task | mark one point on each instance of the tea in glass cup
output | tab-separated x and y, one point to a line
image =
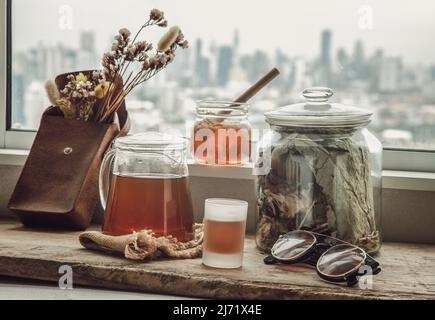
224	233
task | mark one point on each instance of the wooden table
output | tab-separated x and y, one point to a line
408	271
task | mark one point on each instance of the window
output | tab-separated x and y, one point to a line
375	54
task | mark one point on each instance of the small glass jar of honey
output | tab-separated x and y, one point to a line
222	134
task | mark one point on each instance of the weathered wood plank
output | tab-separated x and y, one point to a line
408	271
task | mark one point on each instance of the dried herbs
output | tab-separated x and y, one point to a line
129	63
319	181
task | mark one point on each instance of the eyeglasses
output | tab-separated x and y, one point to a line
336	263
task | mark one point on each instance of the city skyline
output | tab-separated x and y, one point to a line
378	81
333	57
291	28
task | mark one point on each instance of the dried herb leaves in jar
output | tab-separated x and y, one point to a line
321	183
324	173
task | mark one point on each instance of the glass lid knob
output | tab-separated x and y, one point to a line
318	95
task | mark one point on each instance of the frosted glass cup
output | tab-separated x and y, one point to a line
224	233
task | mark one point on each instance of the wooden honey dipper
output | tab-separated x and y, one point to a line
248	94
257	87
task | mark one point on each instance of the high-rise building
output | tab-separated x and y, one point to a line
69	59
358	61
324	77
358	53
198	50
87	41
389	79
20	76
236	46
198	60
236	42
37	62
260	66
299	75
204	74
342	72
432	73
225	63
325	57
283	64
342	58
202	65
87	57
35	101
18	92
181	69
54	61
374	67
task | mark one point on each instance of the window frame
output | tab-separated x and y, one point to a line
3	72
394	159
9	138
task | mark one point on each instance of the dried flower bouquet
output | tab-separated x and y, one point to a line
129	64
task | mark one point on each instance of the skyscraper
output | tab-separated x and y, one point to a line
87	57
87	41
389	79
358	53
236	46
342	77
374	66
35	101
225	63
202	65
198	50
359	63
326	48
325	58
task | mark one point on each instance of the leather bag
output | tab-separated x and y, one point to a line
58	187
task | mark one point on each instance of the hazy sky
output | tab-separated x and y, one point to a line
402	27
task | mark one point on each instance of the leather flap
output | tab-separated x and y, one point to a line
58	164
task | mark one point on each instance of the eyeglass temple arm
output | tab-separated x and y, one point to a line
373	264
370	262
270	260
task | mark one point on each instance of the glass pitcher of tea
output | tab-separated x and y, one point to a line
144	186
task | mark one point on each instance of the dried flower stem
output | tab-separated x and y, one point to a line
137	80
147	24
52	92
110	87
150	68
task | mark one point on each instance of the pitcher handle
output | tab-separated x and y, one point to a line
105	174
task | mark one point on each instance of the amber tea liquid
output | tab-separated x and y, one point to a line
224	237
224	233
160	204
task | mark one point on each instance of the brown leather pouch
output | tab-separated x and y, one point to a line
58	187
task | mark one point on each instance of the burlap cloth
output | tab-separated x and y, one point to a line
145	245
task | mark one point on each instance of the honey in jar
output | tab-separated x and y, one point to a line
222	134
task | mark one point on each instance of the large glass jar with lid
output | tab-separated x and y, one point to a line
320	170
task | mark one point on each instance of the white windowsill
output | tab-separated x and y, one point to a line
398	180
10	157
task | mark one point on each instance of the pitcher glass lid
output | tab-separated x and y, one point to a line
151	141
318	112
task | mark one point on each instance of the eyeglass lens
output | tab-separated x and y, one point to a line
341	260
292	245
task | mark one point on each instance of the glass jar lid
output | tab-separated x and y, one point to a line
151	141
318	112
